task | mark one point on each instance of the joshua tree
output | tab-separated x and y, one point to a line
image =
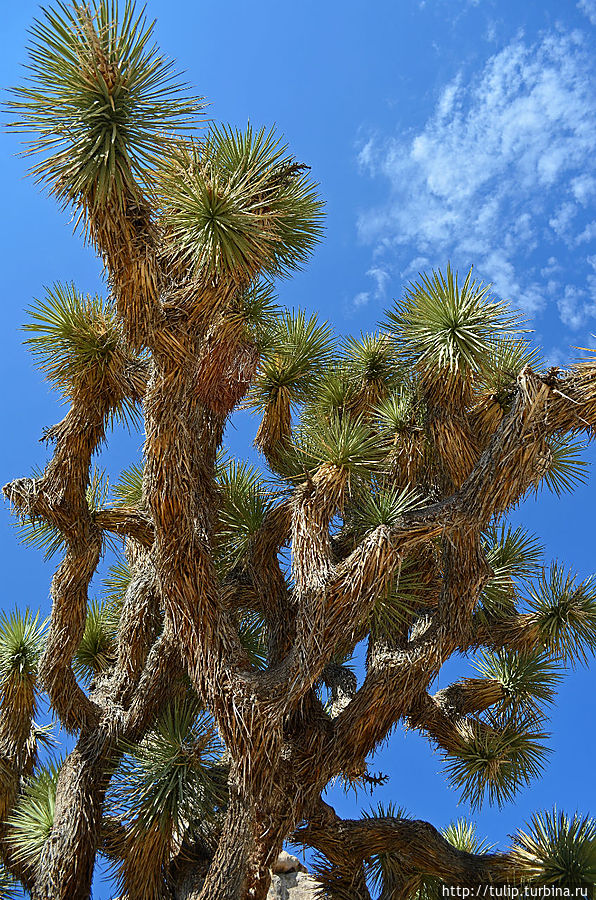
209	695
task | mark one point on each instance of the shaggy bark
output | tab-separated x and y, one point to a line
418	844
66	865
331	604
185	347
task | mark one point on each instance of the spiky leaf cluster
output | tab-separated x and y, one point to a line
443	325
237	205
529	680
21	643
171	778
97	648
400	412
558	850
101	100
30	823
371	365
77	342
117	581
506	358
396	606
562	466
513	555
462	835
386	871
256	312
497	756
349	445
244	505
383	507
128	491
298	352
563	613
253	637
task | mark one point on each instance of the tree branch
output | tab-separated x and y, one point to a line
418	844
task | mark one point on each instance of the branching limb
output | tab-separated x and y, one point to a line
470	695
396	679
127	523
59	497
418	844
139	622
489	489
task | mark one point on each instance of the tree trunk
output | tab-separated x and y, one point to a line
66	866
251	841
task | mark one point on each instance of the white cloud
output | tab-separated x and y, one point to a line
551	268
504	167
576	307
589	8
561	222
588	234
416	266
380	277
584	187
361	299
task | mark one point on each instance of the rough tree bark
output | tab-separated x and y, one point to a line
184	355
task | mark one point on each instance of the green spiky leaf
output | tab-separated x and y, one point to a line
400	412
115	585
245	502
128	490
528	679
371	364
386	811
462	835
497	757
96	651
77	342
256	309
237	204
42	536
441	324
351	445
253	637
299	351
514	555
334	392
558	850
21	643
506	359
564	613
395	607
72	334
117	581
562	466
101	101
171	776
30	823
385	507
386	870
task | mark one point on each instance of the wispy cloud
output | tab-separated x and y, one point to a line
380	277
502	175
589	8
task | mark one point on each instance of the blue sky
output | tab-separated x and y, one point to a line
440	129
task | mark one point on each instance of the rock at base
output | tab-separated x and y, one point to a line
293	886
